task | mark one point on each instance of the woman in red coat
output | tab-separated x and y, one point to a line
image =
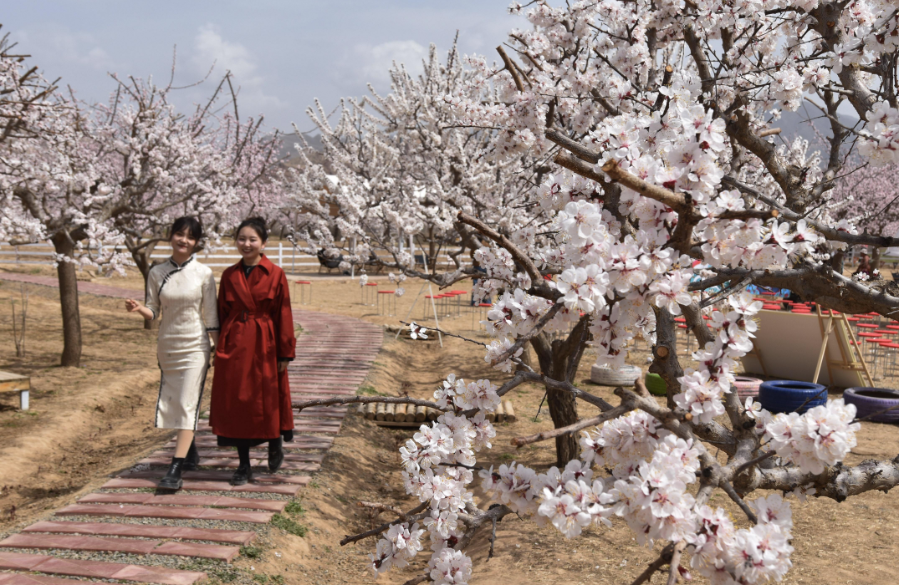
250	391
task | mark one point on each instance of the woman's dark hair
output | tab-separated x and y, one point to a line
191	224
257	224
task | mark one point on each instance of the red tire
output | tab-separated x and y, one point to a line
747	386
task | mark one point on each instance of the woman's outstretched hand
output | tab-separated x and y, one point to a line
282	365
137	307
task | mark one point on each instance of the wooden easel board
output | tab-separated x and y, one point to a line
789	344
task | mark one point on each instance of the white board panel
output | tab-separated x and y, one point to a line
789	344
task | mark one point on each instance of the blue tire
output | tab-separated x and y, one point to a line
787	396
868	400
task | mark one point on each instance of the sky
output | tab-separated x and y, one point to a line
284	54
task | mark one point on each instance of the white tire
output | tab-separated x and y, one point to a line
624	377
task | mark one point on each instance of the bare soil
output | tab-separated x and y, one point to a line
91	421
83	423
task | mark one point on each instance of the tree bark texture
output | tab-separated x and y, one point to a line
68	301
142	258
556	359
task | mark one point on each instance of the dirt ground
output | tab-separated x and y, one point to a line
88	422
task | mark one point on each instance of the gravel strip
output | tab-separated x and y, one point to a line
196	523
251	495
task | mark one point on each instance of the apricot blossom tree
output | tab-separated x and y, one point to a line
657	117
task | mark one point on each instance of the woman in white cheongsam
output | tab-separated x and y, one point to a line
181	292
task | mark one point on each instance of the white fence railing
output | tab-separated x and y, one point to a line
284	255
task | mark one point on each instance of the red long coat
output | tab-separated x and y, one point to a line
250	398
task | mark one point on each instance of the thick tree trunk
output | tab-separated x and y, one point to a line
68	301
563	411
554	362
142	258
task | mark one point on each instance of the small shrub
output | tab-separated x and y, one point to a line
250	551
370	390
294	508
289	525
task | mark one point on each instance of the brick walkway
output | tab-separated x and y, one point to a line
127	520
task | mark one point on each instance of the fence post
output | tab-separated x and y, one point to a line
280	253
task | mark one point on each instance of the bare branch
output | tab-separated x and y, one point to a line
409	516
510	67
574	428
348	400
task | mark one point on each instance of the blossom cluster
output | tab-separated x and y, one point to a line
822	436
437	464
704	389
649	491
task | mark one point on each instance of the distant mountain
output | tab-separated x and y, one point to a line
810	124
289	140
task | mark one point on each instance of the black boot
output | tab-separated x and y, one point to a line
172	478
275	455
192	460
244	473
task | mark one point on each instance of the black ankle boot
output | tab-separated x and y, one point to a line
172	478
192	460
243	475
275	455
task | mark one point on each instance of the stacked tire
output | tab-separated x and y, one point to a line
870	400
788	396
623	377
747	386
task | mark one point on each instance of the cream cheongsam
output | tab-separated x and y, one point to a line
184	297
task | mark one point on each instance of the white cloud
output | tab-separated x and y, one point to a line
372	64
211	48
58	45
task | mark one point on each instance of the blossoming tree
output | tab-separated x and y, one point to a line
43	197
396	167
400	166
657	117
101	180
868	197
164	164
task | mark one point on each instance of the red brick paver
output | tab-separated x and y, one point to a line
79	542
37	579
134	530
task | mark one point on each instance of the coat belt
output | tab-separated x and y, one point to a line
245	315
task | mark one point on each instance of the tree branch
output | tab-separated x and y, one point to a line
348	400
407	517
574	428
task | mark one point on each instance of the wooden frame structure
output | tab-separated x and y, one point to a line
11	382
